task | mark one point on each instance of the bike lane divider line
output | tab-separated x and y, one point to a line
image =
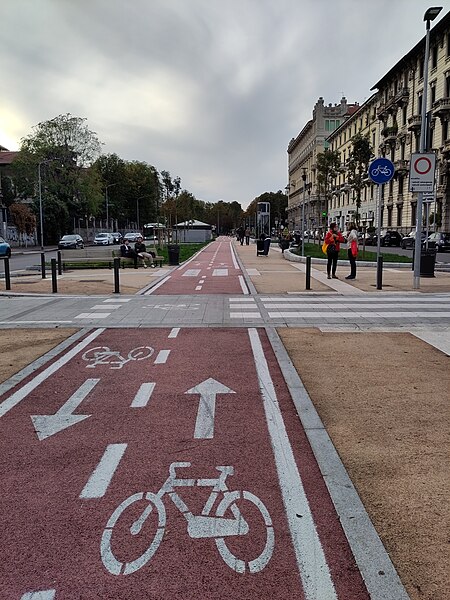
23	392
174	332
243	285
233	257
102	475
162	357
312	565
42	595
156	286
143	395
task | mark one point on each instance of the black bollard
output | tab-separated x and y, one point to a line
43	265
54	277
308	272
116	275
58	254
7	274
380	273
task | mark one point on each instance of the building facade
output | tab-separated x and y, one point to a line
391	119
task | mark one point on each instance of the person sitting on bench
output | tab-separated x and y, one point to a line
141	251
127	251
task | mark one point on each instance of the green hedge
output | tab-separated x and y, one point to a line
315	251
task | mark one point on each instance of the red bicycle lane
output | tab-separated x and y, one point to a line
178	473
214	270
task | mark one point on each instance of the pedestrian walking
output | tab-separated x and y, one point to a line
247	236
240	235
352	249
333	241
141	251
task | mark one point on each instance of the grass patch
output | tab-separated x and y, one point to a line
315	251
186	251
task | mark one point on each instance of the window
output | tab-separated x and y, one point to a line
419	103
413	214
447	85
404	112
434	57
444	131
420	69
402	150
448	44
433	93
389	216
391	187
401	180
399	215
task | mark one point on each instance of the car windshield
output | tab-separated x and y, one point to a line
69	237
102	235
2	241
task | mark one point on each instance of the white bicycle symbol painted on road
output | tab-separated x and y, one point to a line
381	170
217	527
102	355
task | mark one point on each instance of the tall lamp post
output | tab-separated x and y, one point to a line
41	211
303	211
137	210
107	204
429	16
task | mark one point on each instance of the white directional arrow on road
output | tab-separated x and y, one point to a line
208	390
48	425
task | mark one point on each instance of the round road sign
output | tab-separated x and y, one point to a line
381	170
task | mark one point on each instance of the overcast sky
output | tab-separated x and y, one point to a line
210	90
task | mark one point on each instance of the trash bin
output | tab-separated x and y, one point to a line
427	262
267	245
259	247
174	254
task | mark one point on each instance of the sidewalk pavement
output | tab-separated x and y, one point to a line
280	273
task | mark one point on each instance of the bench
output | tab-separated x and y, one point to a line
129	262
102	256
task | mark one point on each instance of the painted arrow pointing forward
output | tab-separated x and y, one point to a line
208	390
48	425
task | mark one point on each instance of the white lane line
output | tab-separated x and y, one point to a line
143	395
109	307
233	256
243	285
198	288
100	479
174	332
18	396
253	272
348	299
155	287
115	300
246	315
242	300
351	314
31	322
344	305
439	339
43	595
92	315
162	357
311	562
220	273
192	272
202	281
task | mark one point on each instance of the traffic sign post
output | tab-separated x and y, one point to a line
381	171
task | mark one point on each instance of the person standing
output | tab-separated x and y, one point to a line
352	249
333	239
247	236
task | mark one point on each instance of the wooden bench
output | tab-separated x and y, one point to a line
129	262
98	254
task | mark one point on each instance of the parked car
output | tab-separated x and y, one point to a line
117	237
71	241
103	239
388	238
371	239
5	248
439	240
132	236
409	240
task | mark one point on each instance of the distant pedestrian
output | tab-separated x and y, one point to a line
240	235
247	236
352	251
333	239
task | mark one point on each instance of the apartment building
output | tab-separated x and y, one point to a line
302	162
391	118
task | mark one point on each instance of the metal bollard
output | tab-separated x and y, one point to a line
308	272
54	277
116	275
43	265
58	254
7	274
380	273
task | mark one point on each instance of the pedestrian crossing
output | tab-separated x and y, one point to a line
403	308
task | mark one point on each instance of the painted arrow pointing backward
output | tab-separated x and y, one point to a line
208	390
48	425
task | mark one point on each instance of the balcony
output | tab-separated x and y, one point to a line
390	134
414	123
401	97
441	108
445	148
401	166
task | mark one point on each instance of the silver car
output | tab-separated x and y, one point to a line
103	239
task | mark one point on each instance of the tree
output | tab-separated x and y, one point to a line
278	204
358	167
328	168
23	218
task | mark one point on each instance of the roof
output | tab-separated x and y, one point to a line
7	157
193	223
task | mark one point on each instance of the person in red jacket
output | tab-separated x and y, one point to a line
333	238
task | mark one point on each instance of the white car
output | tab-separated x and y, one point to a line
103	239
132	236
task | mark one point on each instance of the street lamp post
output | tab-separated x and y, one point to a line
41	211
107	204
303	211
429	16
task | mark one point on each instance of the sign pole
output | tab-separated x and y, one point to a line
379	221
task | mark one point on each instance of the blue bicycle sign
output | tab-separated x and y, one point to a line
381	170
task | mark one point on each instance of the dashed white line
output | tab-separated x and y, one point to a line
92	315
143	395
174	332
162	357
100	479
42	595
198	288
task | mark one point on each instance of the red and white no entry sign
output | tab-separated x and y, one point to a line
421	172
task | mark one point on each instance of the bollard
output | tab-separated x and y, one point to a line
7	274
58	254
43	265
308	272
116	275
54	278
380	273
